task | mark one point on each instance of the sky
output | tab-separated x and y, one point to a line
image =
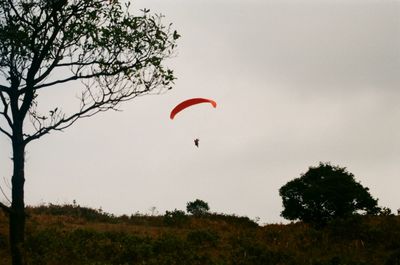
296	81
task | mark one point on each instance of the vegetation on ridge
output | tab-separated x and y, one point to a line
70	234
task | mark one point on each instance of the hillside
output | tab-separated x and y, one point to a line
69	234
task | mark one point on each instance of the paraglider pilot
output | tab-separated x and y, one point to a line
196	142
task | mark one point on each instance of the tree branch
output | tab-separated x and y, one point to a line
6	133
96	107
5	110
18	15
4	88
35	66
50	68
77	77
4	113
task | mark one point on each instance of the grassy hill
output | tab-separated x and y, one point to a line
73	235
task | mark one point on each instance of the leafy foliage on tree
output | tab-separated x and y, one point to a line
175	218
115	54
324	193
197	207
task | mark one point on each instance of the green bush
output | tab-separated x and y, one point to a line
175	218
197	207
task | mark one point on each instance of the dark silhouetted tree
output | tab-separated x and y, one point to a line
115	54
197	207
324	193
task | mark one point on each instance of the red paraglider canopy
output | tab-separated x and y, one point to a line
190	102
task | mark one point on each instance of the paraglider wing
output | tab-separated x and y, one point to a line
187	103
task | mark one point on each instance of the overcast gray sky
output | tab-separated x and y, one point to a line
296	82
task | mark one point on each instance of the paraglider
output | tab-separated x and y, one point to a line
190	102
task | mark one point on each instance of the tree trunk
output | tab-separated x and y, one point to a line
17	213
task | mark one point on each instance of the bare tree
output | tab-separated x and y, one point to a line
116	55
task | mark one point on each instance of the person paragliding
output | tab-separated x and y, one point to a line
188	103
